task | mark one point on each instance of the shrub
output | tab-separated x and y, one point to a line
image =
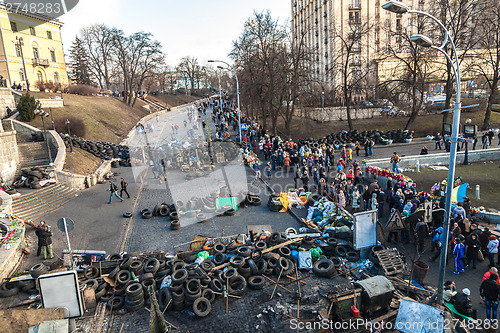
48	86
27	106
40	85
76	126
81	89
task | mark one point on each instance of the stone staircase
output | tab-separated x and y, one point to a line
40	203
32	153
154	103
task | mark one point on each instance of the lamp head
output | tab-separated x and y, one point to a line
211	60
396	7
421	40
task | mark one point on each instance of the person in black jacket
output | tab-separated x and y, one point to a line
490	290
46	242
463	303
473	247
124	184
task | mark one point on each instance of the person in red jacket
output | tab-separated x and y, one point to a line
486	275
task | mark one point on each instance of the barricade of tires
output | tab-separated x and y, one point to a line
233	266
350	137
8	289
200	208
103	150
29	178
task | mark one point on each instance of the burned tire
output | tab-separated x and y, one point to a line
91	272
237	285
165	299
219	258
152	266
90	283
256	282
352	256
164	210
173	216
134	290
37	270
236	261
324	268
115	303
202	307
340	251
127	214
216	285
180	276
123	277
8	289
156	210
207	265
146	276
208	294
244	251
230	212
220	248
147	215
260	245
175	225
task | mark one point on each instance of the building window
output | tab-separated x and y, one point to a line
409	21
21	75
36	55
18	50
32	31
49	34
13	26
386	22
39	75
53	56
387	35
56	77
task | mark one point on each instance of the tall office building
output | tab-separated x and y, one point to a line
329	27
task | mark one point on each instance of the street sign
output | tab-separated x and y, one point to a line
70	225
428	212
395	222
244	127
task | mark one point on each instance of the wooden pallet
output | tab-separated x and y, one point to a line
391	261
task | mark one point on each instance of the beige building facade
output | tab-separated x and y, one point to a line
31	49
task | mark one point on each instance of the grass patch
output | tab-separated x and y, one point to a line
486	174
81	162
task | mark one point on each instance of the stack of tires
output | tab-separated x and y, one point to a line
31	178
8	289
134	299
103	150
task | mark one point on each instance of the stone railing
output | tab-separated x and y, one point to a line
438	159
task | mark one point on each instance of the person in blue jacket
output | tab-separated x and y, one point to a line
437	238
458	254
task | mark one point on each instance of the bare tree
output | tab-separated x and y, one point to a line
487	62
460	18
351	67
190	69
258	52
97	41
411	71
137	56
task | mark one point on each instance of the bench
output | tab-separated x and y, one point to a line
451	307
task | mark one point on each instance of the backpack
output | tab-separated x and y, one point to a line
115	188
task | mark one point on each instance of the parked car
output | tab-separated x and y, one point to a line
382	102
365	103
392	111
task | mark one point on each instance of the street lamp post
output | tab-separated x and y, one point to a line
69	134
42	115
237	92
21	43
220	92
401	8
322	106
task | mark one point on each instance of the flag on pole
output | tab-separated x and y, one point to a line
458	193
